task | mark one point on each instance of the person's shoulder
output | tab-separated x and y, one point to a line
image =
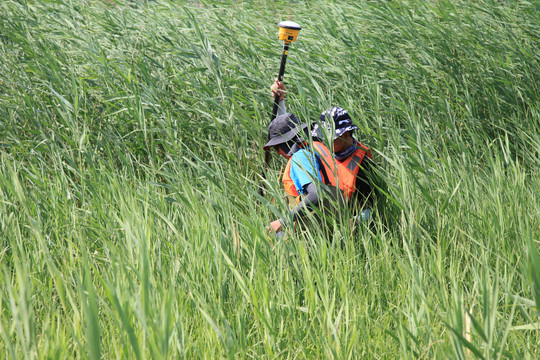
302	153
302	157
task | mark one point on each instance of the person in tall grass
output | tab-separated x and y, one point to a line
343	169
287	136
357	177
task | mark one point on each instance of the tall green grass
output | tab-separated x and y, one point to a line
130	155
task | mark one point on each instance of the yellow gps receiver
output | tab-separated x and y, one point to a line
288	31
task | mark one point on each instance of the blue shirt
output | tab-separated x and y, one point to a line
304	169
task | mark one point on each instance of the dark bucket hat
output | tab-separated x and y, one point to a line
283	129
342	122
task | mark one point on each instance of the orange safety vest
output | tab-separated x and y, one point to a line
335	173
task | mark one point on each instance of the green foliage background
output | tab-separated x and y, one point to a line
130	156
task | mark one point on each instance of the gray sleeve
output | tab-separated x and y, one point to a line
281	108
310	201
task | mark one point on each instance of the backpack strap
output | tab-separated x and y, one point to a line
323	170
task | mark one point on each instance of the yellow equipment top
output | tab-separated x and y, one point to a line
288	31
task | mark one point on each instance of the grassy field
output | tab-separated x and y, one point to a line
130	157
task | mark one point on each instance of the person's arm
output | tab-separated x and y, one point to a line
365	182
281	108
308	203
279	88
303	170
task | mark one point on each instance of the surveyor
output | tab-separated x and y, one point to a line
349	168
288	137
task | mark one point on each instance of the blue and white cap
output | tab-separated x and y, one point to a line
342	122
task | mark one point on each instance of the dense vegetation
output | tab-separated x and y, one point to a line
130	156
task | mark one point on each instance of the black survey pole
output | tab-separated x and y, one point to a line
274	112
288	31
280	78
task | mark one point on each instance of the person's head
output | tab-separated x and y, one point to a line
283	133
342	125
